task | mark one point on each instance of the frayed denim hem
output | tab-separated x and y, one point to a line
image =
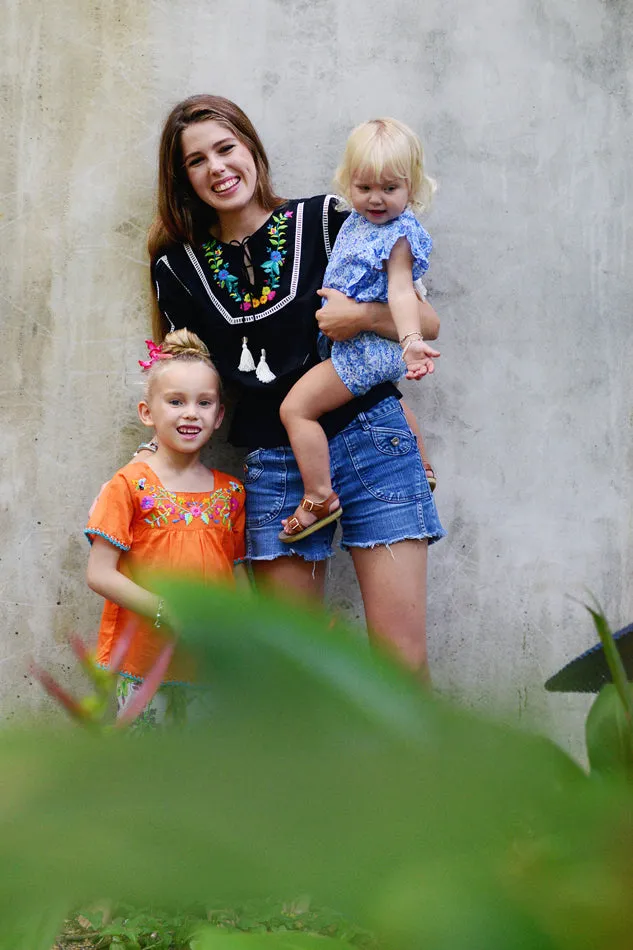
311	559
389	544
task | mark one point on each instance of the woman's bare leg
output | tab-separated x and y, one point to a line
316	393
392	581
291	576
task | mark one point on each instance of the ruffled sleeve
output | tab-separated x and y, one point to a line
113	513
383	238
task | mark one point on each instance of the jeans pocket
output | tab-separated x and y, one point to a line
253	467
265	477
393	442
387	462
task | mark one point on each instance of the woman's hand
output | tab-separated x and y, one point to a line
343	318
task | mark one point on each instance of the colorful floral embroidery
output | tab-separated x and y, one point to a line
277	251
163	507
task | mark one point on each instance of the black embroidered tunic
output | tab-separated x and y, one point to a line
208	289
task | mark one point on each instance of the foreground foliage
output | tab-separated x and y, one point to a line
294	924
323	771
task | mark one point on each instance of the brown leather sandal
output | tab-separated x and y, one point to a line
297	531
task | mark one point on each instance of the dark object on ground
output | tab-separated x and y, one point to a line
589	672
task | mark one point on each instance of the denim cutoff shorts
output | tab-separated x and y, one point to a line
377	473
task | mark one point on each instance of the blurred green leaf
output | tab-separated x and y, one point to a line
35	930
325	771
213	939
614	661
608	734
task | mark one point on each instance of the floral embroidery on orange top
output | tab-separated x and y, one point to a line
162	506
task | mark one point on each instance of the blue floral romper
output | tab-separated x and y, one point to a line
356	269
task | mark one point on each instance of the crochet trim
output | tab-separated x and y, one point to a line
118	544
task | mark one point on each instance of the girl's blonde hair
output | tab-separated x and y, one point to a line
184	346
386	145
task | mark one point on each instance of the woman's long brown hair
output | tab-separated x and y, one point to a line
182	217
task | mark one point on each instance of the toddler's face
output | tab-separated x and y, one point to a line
184	405
379	201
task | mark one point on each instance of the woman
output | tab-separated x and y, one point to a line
242	268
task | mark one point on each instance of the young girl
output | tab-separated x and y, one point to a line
172	514
379	252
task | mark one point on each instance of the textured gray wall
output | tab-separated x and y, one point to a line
525	110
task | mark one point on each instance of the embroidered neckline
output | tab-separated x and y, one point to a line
162	507
277	252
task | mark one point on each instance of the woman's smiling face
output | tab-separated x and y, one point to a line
220	168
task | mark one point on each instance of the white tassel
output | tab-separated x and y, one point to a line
263	371
247	363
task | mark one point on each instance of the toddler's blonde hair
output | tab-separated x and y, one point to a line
184	346
386	145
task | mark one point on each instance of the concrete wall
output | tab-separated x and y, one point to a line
525	110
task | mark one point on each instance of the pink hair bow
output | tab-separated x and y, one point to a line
155	354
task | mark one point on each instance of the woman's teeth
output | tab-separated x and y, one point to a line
225	185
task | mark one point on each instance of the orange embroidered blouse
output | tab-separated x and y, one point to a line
199	533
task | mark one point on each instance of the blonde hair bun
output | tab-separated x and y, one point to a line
179	346
183	343
386	145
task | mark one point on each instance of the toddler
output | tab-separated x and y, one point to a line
380	251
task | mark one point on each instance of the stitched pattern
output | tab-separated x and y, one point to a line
277	252
164	507
250	316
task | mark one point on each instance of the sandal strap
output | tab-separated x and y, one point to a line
316	507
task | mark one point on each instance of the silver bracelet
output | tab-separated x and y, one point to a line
158	620
415	333
150	446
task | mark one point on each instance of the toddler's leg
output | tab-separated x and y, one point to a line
316	393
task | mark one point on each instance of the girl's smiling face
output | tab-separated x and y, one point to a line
183	405
379	201
220	168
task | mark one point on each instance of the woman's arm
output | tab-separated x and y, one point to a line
343	318
104	578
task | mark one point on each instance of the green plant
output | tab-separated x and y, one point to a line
291	925
324	771
609	727
94	710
